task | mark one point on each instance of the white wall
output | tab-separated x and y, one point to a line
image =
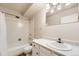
39	22
64	31
31	28
16	31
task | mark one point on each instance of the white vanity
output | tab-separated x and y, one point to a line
41	48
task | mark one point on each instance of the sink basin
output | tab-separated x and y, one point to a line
60	46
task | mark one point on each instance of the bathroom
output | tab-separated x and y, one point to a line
30	29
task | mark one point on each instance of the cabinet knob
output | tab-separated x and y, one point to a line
37	53
34	45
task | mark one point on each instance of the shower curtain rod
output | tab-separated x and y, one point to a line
10	12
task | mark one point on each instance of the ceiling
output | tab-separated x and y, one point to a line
35	8
23	9
18	7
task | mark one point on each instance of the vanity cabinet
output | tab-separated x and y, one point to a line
35	52
44	51
39	50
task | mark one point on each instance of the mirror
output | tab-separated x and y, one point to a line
61	13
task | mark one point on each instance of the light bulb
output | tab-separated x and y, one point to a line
67	4
52	11
55	3
59	7
47	6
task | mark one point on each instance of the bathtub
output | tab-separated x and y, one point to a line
14	51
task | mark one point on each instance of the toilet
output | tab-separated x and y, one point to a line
28	49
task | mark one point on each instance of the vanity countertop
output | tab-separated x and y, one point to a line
73	52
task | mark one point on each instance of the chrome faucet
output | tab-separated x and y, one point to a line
59	40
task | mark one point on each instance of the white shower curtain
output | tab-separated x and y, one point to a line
3	38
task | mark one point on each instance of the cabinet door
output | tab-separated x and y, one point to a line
35	52
45	51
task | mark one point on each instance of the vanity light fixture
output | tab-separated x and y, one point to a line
55	6
59	7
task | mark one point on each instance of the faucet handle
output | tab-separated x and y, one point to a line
59	39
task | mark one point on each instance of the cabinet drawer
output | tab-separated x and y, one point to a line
35	45
45	51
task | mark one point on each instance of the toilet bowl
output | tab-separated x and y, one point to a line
28	49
